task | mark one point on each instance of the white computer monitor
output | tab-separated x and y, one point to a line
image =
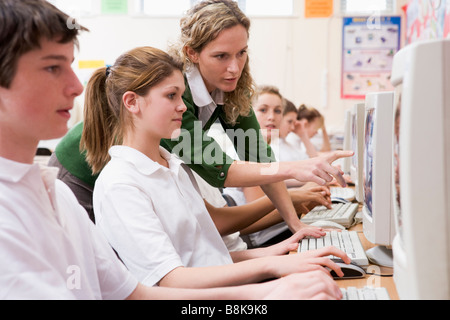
378	216
357	142
421	72
347	144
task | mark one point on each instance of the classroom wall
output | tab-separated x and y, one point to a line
300	56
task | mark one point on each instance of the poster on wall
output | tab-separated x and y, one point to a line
427	19
369	46
447	20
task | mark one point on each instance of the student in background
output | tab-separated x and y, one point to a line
145	200
48	247
283	150
310	121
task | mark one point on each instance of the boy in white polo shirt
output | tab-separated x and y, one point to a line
49	249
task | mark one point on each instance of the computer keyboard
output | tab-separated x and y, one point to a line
342	213
366	293
347	241
344	193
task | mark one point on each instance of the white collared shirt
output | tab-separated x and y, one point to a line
292	148
206	102
154	217
214	197
49	248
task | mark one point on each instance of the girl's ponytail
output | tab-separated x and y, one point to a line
100	124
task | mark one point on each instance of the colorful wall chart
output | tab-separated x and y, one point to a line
427	19
447	21
369	45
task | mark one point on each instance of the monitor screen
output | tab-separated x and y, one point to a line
347	162
378	215
396	169
368	160
357	143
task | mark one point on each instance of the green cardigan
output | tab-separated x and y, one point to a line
201	153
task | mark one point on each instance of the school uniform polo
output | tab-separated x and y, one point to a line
291	148
49	249
214	197
154	217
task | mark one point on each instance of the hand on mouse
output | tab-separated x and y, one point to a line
311	261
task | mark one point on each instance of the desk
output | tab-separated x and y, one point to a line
371	280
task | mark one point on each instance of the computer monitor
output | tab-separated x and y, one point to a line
421	72
357	141
346	162
378	216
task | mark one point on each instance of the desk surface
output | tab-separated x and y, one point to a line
372	280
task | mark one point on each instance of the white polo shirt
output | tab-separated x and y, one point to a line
49	248
154	217
291	148
214	197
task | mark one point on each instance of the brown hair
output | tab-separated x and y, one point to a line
309	114
201	25
289	107
267	89
23	24
105	116
286	104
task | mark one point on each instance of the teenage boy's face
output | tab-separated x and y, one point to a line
36	106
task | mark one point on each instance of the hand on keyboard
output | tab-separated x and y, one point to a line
347	241
292	243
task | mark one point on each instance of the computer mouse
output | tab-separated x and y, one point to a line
326	224
339	200
351	271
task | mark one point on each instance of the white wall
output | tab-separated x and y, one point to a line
291	53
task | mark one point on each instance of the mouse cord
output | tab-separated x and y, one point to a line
379	275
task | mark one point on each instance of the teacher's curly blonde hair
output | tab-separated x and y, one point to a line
201	25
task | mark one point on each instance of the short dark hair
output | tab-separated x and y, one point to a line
23	24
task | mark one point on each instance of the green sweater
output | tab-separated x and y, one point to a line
69	155
201	153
